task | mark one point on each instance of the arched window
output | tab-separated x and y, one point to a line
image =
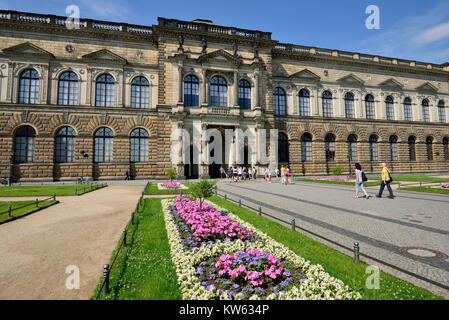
306	147
304	103
446	148
244	94
139	145
218	92
393	148
24	143
369	106
105	91
441	112
191	91
330	147
352	147
327	104
429	146
279	102
373	148
389	108
283	148
65	145
412	148
349	105
140	93
68	89
29	87
425	110
408	109
103	145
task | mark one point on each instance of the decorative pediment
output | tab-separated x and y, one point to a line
28	49
351	80
305	75
392	84
105	56
427	87
220	56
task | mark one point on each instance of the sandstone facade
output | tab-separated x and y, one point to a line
166	53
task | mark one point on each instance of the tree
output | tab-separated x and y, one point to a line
171	174
202	190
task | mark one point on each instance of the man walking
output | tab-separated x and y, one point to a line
386	180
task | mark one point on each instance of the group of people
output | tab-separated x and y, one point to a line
235	174
360	179
283	175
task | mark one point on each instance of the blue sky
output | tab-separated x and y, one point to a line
416	30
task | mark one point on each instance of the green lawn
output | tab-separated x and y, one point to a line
143	269
47	191
425	189
345	183
335	263
152	189
4	217
416	178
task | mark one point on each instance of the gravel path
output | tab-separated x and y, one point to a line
80	231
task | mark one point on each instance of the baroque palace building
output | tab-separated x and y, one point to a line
117	91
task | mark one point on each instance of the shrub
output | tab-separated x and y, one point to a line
202	190
171	174
337	171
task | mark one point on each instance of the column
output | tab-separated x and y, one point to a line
235	103
360	106
256	88
203	88
317	102
180	82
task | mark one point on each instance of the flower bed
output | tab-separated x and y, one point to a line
333	179
255	267
208	227
171	185
445	186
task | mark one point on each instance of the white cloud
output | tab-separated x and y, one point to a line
439	32
423	37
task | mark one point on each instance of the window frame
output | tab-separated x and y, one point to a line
191	91
304	103
28	133
244	94
349	106
68	142
107	143
279	102
327	104
29	87
389	108
370	107
425	110
140	90
105	86
220	87
72	87
374	148
306	147
329	145
142	147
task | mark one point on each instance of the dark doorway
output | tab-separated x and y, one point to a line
191	169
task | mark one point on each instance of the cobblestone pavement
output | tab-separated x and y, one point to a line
81	231
384	228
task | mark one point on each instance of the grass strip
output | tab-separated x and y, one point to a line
47	191
144	269
22	212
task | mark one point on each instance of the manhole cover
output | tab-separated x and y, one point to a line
421	253
424	253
